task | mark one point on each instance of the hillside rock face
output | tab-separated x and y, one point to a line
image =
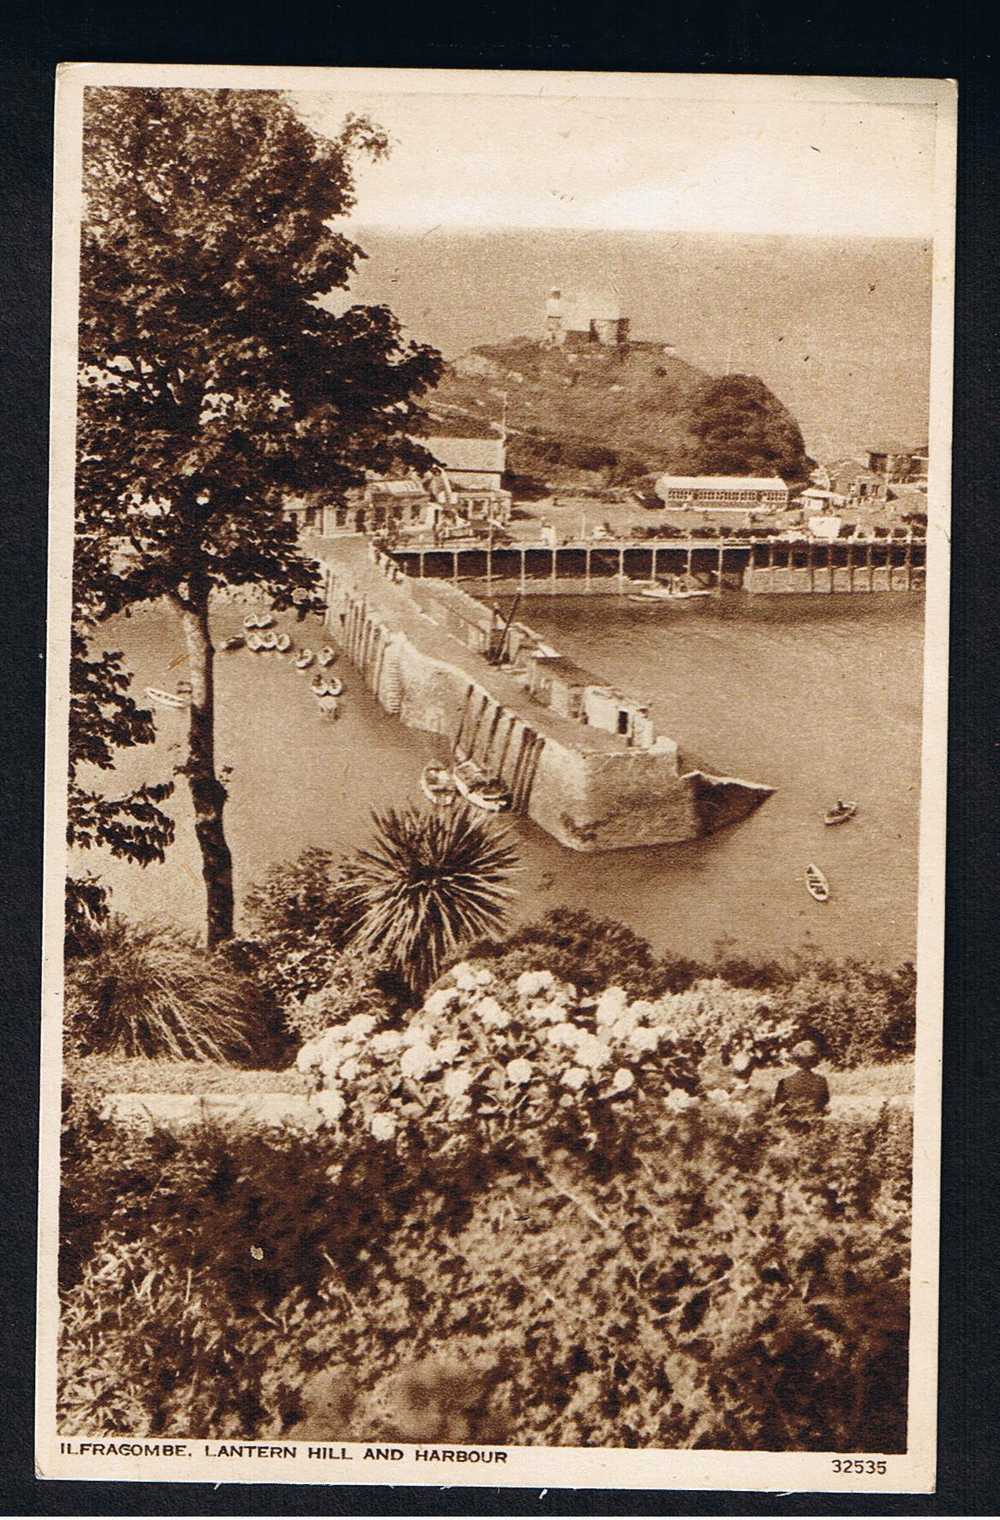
618	414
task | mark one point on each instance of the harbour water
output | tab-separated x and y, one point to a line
817	696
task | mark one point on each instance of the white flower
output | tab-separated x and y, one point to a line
457	1082
611	1004
349	1070
439	1002
622	1080
383	1127
565	1034
387	1041
492	1014
575	1077
592	1052
678	1100
361	1024
418	1061
643	1039
308	1057
519	1072
330	1104
449	1050
531	983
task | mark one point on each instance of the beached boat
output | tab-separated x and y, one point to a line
282	643
167	698
816	883
265	620
840	813
334	686
304	659
437	784
250	621
326	655
268	642
481	789
255	643
237	642
328	706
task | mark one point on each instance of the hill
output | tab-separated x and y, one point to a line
617	416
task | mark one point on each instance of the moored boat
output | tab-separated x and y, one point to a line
437	784
671	591
481	789
167	698
840	813
816	883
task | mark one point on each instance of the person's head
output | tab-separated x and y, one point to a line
805	1053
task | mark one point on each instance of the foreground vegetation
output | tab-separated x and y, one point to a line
398	1268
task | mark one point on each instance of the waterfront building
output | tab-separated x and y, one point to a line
897	465
722	492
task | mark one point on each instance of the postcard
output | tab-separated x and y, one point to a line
495	778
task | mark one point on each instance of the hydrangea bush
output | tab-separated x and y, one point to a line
498	1057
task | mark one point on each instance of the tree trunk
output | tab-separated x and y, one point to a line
207	792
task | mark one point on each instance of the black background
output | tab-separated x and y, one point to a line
926	37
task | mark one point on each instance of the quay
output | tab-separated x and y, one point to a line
579	757
805	565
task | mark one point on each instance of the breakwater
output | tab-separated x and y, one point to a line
579	757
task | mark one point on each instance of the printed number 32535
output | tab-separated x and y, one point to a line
858	1465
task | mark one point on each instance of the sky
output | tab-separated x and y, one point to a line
827	164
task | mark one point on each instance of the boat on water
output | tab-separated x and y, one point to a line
167	698
326	655
671	590
282	643
481	789
304	659
840	813
816	883
437	784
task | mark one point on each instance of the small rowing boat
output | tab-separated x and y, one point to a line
304	659
326	655
328	706
265	620
481	789
235	643
167	698
437	785
816	884
268	642
840	813
255	643
250	621
282	643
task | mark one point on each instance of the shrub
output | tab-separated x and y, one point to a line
858	1013
731	1284
298	919
149	990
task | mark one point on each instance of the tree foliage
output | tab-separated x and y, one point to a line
739	427
214	381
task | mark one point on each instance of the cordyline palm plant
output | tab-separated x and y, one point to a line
429	883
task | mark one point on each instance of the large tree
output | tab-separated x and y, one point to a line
214	382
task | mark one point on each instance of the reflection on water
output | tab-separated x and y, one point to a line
817	696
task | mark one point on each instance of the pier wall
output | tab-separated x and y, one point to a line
579	784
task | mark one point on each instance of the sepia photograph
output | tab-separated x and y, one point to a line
495	778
